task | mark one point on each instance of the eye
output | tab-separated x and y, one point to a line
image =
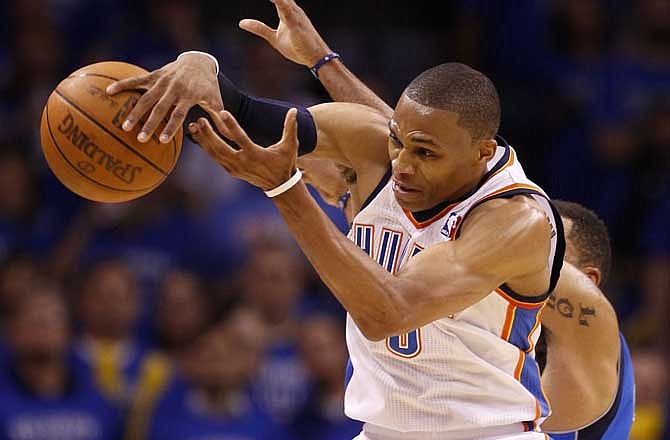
395	140
423	152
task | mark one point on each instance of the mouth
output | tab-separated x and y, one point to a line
403	189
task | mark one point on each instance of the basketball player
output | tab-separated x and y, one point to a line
457	251
589	377
589	373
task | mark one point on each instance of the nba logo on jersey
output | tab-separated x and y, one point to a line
450	227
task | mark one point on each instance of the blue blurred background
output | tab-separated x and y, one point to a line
190	313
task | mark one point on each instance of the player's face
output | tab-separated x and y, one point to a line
433	158
111	302
40	327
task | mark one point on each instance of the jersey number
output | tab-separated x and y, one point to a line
407	345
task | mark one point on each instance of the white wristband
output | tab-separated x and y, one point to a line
212	57
290	183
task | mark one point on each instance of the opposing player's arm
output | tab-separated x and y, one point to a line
355	136
502	241
296	39
582	351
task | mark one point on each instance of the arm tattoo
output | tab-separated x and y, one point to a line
567	309
584	312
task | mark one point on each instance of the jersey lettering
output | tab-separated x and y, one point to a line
364	235
389	248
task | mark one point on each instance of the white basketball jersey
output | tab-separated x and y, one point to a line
464	374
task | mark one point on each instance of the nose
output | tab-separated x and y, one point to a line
402	164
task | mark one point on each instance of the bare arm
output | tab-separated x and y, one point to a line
354	136
497	245
581	375
297	40
501	241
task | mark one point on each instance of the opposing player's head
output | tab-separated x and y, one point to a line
587	241
442	134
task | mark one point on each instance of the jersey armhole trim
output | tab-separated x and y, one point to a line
380	186
557	264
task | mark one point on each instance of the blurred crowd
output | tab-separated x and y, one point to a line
190	313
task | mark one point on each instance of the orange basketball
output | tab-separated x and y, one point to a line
87	149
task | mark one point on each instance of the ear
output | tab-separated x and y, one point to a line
593	273
486	149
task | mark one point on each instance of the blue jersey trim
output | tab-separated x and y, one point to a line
349	372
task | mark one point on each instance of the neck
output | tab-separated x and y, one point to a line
460	194
47	378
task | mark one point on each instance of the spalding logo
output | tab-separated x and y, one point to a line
125	172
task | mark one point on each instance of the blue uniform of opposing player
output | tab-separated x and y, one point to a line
589	373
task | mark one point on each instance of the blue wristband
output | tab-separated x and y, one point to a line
321	62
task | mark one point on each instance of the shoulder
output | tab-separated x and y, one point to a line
517	208
518	220
355	136
349	111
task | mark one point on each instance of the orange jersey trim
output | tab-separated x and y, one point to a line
519	365
531	344
509	320
420	225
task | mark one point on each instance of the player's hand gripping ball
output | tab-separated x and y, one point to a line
87	149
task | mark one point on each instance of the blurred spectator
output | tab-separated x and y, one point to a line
32	29
585	87
108	307
152	235
647	325
651	395
183	311
272	283
45	395
17	201
209	398
163	29
325	355
17	274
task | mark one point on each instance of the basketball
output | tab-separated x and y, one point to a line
87	149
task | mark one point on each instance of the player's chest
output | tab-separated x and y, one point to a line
392	240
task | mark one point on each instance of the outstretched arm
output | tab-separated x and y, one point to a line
297	40
502	241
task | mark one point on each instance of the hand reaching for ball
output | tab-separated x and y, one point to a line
172	89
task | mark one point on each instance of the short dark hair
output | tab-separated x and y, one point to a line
461	89
589	235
